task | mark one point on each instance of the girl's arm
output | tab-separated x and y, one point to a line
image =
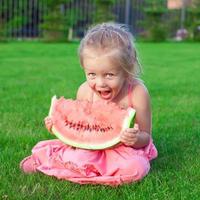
139	136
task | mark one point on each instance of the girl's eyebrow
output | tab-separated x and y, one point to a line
85	68
112	69
104	72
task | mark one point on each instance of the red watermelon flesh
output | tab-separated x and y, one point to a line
87	125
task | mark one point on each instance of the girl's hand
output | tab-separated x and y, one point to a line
130	136
48	123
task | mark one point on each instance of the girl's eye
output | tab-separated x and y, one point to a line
91	75
109	75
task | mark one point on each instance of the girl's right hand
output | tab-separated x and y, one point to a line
48	123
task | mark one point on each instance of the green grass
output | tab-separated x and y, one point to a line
31	73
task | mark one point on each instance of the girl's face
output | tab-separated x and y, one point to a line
105	79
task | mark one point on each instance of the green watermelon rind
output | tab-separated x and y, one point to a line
126	124
53	99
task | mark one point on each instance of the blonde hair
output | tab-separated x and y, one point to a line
116	41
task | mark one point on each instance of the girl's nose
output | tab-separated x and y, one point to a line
100	82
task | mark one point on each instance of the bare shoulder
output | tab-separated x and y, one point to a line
140	94
141	103
84	92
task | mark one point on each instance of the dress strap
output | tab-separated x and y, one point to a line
130	87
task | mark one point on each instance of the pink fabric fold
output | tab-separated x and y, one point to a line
121	164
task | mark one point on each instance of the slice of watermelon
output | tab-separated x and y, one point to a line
89	125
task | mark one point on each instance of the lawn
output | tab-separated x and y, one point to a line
31	73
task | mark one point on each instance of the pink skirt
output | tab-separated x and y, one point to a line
115	166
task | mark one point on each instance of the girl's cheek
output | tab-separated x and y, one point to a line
91	84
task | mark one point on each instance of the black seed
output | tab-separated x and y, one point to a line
66	123
94	127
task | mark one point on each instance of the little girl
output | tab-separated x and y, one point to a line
111	67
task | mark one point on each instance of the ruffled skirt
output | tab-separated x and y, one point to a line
121	164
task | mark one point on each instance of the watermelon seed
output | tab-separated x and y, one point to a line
74	125
80	125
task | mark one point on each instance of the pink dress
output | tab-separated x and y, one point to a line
115	166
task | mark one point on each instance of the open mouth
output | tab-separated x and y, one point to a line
105	94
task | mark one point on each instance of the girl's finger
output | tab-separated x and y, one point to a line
131	133
136	127
127	139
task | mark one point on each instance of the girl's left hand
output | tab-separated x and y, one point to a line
130	136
